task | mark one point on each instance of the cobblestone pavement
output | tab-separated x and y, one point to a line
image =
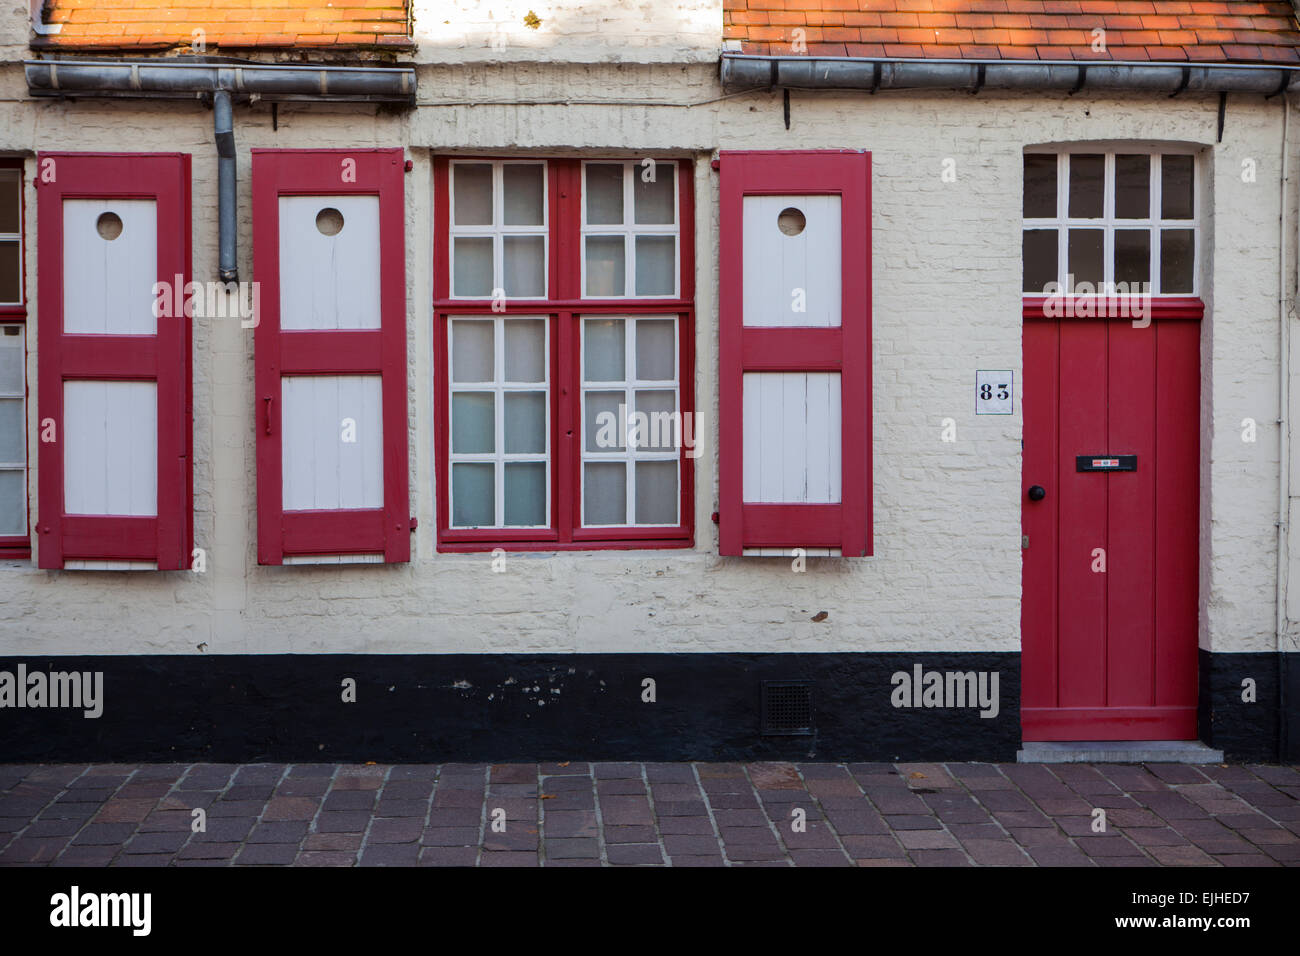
628	814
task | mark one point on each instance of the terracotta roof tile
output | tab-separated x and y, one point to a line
1168	30
238	24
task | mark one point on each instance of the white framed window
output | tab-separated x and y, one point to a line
1122	219
631	421
500	435
11	236
13	431
499	234
630	232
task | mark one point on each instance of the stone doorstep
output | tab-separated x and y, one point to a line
1118	751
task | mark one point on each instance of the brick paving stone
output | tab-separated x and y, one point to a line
635	834
1112	844
857	821
820	858
669	773
448	856
332	841
32	851
734	801
1125	861
390	854
1059	856
402	809
616	771
1181	856
285	831
104	834
86	856
571	823
690	844
620	787
927	840
634	854
740	818
1245	859
571	848
514	773
325	858
697	861
503	858
684	825
395	831
143	859
267	854
939	858
570	767
624	811
663	792
450	836
978	831
291	808
747	836
343	821
516	839
349	800
913	822
225	830
156	843
872	847
209	851
755	852
815	837
455	816
996	853
775	776
1154	836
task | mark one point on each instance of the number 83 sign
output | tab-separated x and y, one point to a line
994	393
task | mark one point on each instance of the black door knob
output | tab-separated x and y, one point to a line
1037	492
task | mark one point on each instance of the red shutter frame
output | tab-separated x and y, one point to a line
164	358
847	525
382	351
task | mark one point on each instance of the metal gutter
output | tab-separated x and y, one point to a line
744	71
188	77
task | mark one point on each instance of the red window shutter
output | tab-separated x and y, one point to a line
332	317
795	328
95	333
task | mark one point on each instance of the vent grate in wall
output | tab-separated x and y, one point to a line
787	707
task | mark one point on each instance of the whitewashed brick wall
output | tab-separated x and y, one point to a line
946	573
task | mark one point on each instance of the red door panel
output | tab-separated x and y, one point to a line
1110	654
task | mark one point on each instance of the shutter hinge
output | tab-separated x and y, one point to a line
415	523
1024	541
715	518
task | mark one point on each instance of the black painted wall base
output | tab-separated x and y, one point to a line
433	708
501	707
1265	729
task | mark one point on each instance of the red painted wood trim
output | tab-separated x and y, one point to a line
378	172
1109	723
848	349
564	312
20	546
1162	308
164	357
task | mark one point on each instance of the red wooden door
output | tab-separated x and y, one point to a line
1109	613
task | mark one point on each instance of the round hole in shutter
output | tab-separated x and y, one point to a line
791	221
329	221
108	225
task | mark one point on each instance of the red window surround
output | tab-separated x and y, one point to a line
162	358
18	546
847	524
384	530
564	309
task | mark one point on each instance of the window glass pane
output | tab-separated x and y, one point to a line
606	268
656	265
1086	254
525	493
471	351
525	265
10	272
603	345
525	424
1176	187
12	451
656	492
472	197
655	350
604	194
604	493
1176	260
603	425
473	494
525	350
1132	259
1132	187
658	432
473	423
1040	186
1087	185
1039	249
473	273
523	194
13	500
10	200
11	360
654	200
